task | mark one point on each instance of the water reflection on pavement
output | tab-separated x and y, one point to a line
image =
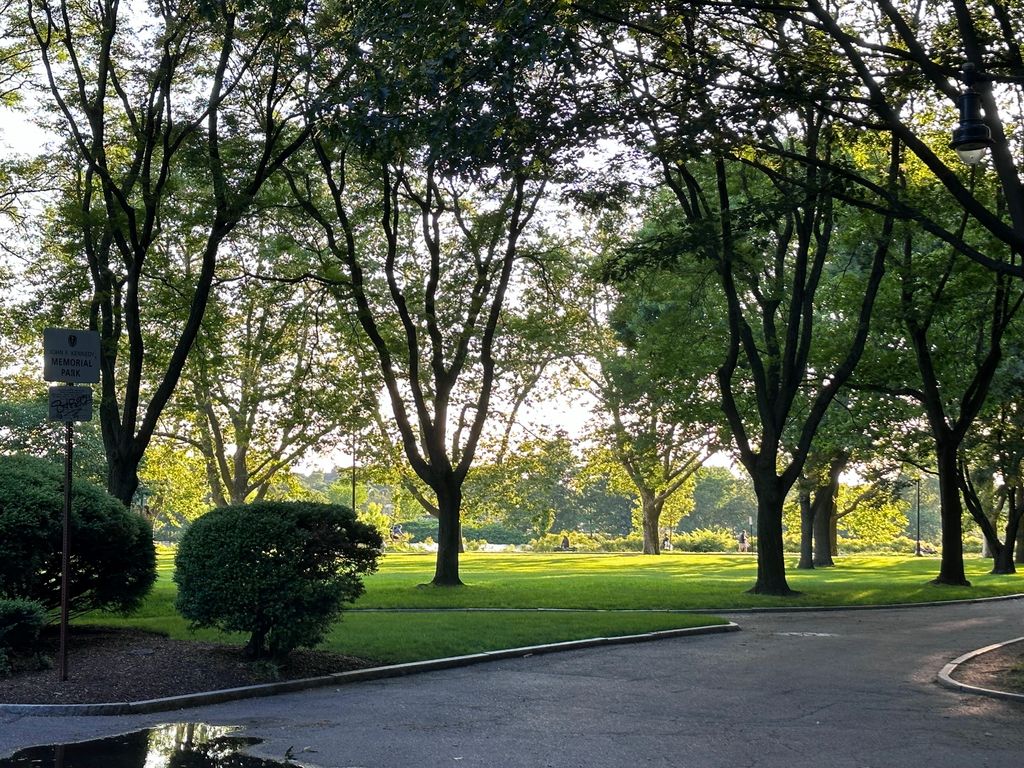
178	745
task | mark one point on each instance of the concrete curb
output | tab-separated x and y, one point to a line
945	676
343	678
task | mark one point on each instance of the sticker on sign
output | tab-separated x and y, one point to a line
71	356
70	404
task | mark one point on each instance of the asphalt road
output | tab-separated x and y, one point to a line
852	689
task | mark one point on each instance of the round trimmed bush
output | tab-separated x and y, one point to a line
279	571
113	560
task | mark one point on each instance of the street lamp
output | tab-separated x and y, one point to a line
972	137
353	471
918	550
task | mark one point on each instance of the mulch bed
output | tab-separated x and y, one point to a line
1000	670
116	665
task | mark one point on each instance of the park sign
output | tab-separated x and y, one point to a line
71	356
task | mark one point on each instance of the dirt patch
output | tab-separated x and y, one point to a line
1000	670
116	665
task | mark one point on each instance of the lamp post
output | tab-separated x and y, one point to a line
353	471
972	137
918	550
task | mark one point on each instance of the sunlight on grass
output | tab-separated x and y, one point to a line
625	585
671	581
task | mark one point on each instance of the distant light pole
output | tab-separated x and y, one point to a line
972	137
919	517
353	472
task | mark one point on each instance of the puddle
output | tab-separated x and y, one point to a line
179	745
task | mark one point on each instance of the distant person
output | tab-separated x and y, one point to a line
666	543
396	531
564	546
744	545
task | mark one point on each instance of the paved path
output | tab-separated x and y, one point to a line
836	689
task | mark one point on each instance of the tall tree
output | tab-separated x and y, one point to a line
991	466
274	377
762	211
143	100
654	429
953	391
428	184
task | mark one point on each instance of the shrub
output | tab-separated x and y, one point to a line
112	553
20	623
705	540
279	571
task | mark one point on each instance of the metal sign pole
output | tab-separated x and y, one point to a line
65	558
72	357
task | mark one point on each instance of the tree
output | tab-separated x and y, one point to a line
761	212
944	323
776	399
527	490
648	439
997	450
272	379
912	55
720	500
428	183
953	406
128	97
651	422
817	490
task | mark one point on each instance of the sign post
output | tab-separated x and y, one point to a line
71	357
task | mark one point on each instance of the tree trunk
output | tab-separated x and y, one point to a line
256	647
1003	561
951	568
449	533
825	519
651	514
122	477
1019	559
771	562
1004	558
806	530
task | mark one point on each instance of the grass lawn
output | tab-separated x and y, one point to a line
624	584
673	581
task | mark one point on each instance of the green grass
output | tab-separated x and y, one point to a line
674	581
624	585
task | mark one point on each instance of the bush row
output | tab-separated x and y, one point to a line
112	552
418	531
113	560
699	540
